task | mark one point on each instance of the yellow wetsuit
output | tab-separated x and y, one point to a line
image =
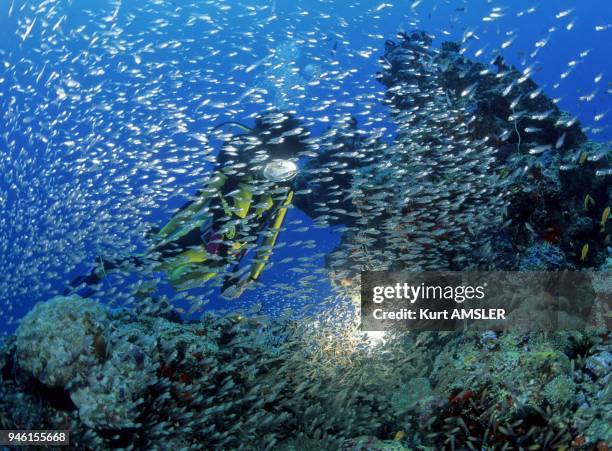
196	263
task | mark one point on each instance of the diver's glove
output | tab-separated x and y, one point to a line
82	285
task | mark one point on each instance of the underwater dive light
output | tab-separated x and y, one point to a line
280	170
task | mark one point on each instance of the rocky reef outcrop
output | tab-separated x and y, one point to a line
232	382
528	190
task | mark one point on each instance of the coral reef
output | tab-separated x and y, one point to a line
232	382
543	256
60	340
532	189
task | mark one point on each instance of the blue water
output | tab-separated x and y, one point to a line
321	36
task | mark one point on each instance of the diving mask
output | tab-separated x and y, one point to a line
280	170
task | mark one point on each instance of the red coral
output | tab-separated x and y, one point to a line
552	235
185	378
167	371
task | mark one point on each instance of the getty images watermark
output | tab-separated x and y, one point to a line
484	300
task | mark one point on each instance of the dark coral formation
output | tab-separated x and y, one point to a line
556	183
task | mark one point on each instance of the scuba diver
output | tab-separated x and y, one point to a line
242	207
